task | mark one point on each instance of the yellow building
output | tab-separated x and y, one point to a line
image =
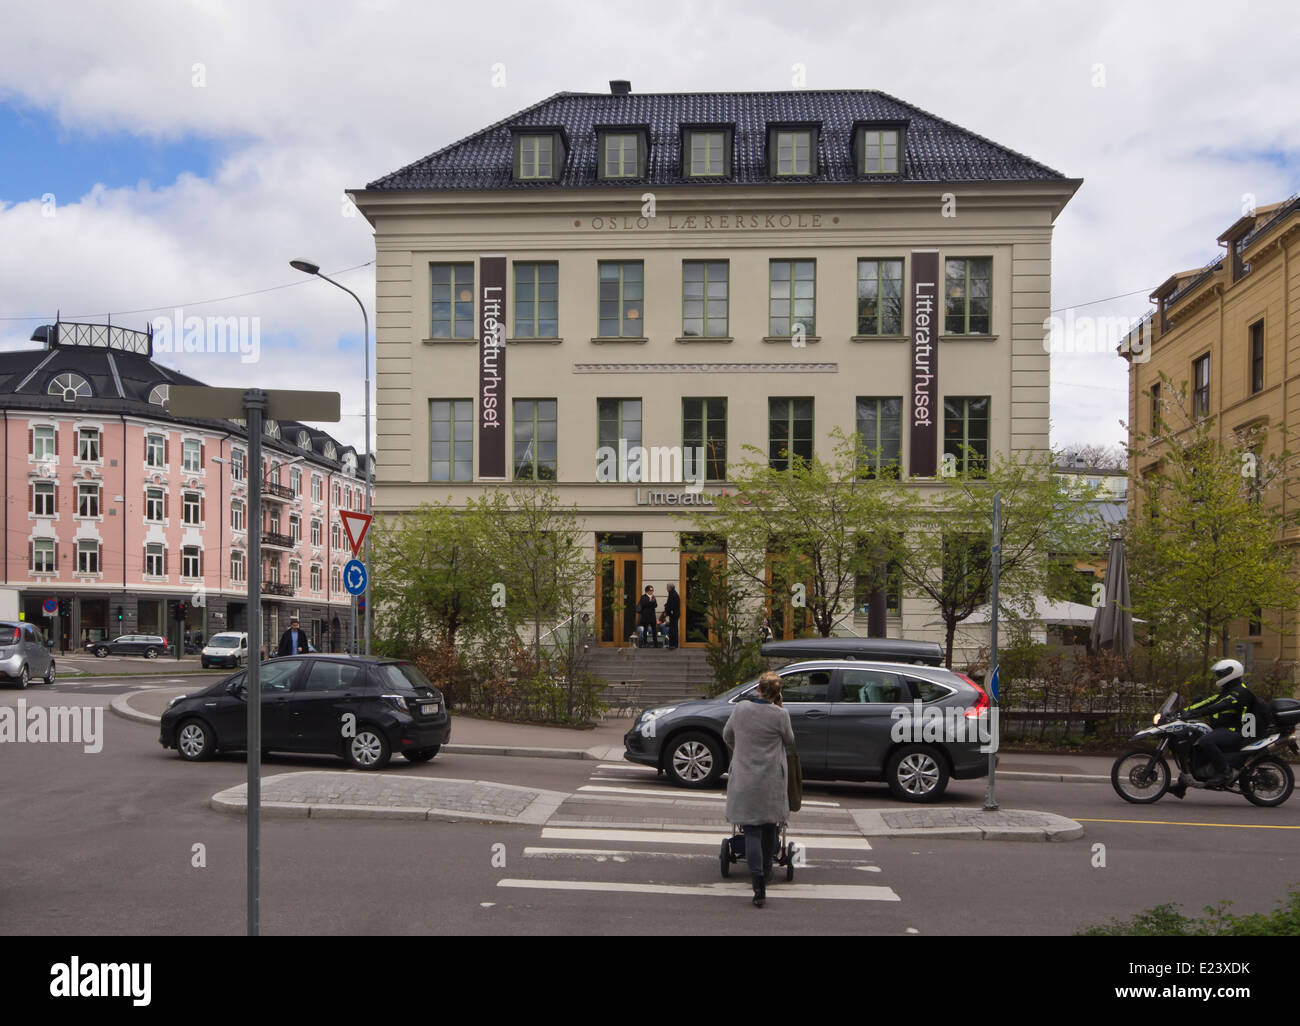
1231	332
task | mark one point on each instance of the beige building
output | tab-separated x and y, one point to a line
704	270
1231	332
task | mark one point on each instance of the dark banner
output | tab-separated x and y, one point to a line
923	413
492	368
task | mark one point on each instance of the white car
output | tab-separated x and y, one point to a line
230	649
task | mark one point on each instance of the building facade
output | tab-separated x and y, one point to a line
120	508
1230	331
683	272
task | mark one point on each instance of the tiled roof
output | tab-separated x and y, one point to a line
121	383
936	150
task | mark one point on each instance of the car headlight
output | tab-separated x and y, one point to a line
663	710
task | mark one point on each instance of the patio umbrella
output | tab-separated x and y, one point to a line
1112	627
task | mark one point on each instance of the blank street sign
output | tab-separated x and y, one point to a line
228	403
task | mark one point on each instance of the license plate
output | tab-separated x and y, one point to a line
429	708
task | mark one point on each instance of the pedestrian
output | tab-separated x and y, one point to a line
645	617
673	611
759	735
292	641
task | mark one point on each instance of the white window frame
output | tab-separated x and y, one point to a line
148	500
237	464
43	547
40	490
187	505
237	517
153	554
92	490
190	559
237	567
88	445
43	443
155	455
192	446
87	552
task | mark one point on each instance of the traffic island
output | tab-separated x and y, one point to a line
326	794
967	824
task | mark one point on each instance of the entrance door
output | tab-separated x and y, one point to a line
618	583
701	572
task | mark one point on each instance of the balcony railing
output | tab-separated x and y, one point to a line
277	588
278	491
279	541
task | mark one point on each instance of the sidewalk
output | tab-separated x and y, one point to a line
604	743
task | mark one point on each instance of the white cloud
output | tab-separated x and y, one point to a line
311	98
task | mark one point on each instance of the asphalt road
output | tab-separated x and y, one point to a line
104	843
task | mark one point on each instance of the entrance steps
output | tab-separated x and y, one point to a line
644	677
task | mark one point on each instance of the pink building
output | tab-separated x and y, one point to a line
120	507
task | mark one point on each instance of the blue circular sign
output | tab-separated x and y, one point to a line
51	605
354	577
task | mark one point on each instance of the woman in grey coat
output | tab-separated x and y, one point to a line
759	734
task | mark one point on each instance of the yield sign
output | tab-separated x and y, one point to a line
356	525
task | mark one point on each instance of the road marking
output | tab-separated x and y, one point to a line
628	766
829	892
1177	822
679	793
709	837
624	854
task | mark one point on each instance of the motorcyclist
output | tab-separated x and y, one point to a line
1224	710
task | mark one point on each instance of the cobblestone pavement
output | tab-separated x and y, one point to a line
325	793
1002	825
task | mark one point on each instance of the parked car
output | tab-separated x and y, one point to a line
891	650
24	653
305	699
846	715
151	646
230	649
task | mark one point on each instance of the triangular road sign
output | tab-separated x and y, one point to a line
357	534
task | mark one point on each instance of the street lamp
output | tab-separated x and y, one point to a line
307	267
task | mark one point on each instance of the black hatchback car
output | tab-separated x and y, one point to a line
913	726
151	646
361	708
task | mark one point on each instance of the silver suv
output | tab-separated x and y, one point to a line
24	654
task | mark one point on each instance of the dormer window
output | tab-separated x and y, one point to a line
70	387
792	150
622	152
304	440
159	396
539	155
706	151
271	429
878	148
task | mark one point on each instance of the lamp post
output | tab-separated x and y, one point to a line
309	268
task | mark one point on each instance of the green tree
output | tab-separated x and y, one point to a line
948	553
431	578
806	533
732	650
1203	547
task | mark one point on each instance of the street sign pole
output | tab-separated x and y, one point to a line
253	405
254	408
990	802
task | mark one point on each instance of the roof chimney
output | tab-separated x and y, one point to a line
619	86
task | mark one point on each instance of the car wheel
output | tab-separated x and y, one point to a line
23	678
917	773
1268	783
695	760
195	741
49	675
101	652
422	754
151	653
203	663
369	749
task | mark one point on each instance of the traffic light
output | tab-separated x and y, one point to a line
180	610
64	607
119	614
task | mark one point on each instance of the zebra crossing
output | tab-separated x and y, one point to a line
626	832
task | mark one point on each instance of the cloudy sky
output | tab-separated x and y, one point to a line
156	155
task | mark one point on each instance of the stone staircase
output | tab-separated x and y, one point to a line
640	678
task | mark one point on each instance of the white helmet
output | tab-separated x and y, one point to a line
1228	672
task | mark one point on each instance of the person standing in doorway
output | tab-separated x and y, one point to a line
646	628
673	611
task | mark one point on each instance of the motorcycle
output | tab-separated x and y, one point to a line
1257	770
